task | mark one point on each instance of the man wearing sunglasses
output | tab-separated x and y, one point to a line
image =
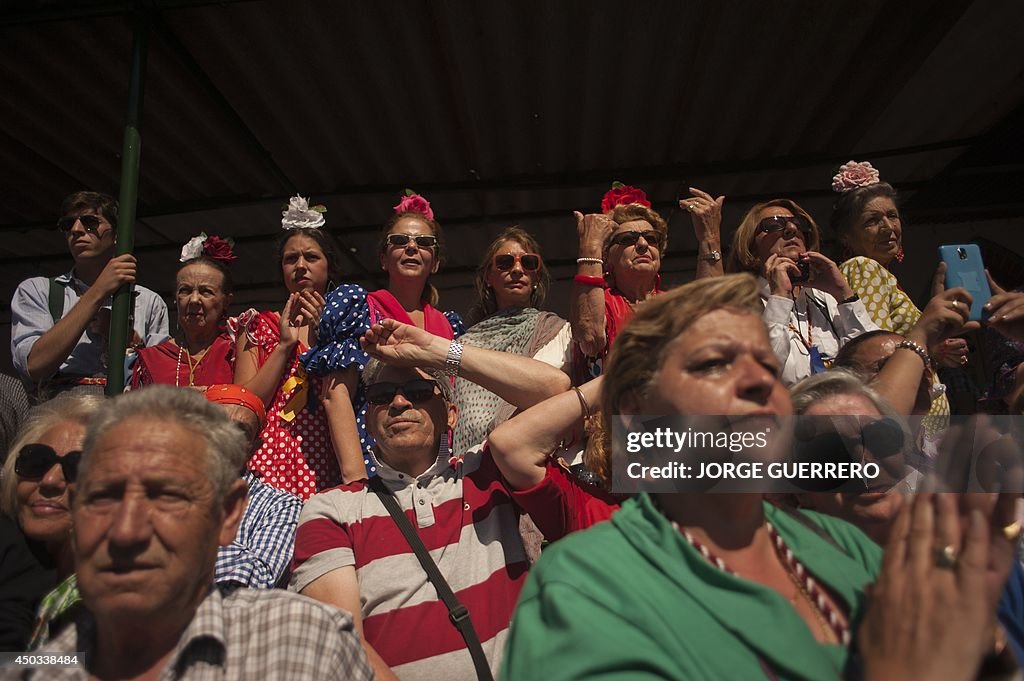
60	325
350	552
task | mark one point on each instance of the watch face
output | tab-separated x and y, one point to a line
713	256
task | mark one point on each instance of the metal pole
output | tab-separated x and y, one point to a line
120	327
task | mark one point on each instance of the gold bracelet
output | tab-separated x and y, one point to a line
583	403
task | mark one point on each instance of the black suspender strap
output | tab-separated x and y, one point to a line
55	299
457	612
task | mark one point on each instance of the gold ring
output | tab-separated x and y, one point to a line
692	206
1012	531
945	557
955	304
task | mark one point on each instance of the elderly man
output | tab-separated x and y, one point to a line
259	555
349	550
158	492
60	325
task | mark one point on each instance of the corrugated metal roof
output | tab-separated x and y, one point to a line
501	113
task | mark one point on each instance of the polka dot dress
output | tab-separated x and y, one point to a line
892	310
296	456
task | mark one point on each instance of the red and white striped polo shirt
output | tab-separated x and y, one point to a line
465	518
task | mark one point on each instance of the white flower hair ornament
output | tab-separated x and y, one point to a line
193	249
854	175
300	215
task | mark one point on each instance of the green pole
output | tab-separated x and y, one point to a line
131	150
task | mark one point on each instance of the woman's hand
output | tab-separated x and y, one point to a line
593	231
309	304
931	615
952	352
825	276
1006	310
402	345
705	213
945	315
778	270
286	325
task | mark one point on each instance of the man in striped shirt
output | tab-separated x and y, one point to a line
350	553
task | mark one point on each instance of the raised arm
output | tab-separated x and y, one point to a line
706	214
520	381
49	350
339	391
263	380
586	305
521	446
898	379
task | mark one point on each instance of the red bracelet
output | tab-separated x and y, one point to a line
585	280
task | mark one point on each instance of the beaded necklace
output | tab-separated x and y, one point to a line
191	367
806	585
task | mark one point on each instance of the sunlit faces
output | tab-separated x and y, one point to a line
201	300
512	287
789	242
636	253
44	505
86	243
403	425
410	260
873	509
304	265
878	232
146	521
722	364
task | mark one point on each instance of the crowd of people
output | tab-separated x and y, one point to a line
359	486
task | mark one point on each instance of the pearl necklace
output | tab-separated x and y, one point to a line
191	367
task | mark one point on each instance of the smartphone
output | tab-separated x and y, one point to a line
965	269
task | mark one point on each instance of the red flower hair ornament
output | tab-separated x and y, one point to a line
621	194
212	247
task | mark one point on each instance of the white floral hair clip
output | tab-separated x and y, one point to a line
853	175
300	215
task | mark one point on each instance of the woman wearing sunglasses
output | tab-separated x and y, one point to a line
410	250
511	284
810	309
35	493
296	453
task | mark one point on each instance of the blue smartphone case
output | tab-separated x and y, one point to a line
965	269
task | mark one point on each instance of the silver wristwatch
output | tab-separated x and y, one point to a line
712	256
454	359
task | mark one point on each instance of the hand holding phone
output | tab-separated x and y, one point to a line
965	269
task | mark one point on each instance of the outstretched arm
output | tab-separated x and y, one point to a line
586	305
520	381
521	445
706	213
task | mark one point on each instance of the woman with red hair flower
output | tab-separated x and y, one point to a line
203	351
410	251
620	252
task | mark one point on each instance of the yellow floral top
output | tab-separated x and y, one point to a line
891	309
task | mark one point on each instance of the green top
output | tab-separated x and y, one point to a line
632	599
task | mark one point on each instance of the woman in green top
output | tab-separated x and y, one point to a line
687	585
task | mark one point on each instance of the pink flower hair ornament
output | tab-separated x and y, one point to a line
621	194
414	203
854	175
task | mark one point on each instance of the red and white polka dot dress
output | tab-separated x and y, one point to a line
296	456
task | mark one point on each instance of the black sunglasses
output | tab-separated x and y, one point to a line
777	223
35	459
422	240
651	236
506	261
416	390
882	437
90	222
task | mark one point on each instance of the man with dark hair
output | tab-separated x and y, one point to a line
60	325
